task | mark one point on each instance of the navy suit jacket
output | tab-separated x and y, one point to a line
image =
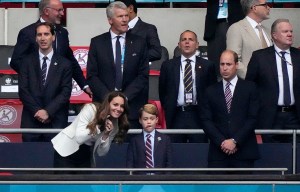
149	33
54	97
26	44
262	69
235	13
136	153
169	83
101	70
218	125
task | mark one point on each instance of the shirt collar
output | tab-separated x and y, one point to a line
278	50
49	56
152	133
192	58
133	22
232	82
252	22
113	35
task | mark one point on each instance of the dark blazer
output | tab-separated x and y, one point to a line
235	13
54	97
149	33
101	70
169	83
136	156
262	70
26	44
239	124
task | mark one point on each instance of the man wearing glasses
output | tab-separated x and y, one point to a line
249	34
50	11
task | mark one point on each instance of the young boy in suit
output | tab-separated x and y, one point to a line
150	149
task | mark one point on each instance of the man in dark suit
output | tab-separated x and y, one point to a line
181	104
276	71
51	11
45	84
118	61
219	16
143	29
155	154
229	115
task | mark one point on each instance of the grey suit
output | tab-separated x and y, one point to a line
242	39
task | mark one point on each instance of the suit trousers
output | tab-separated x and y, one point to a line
187	120
283	120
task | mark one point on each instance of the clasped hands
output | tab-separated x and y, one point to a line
228	147
42	116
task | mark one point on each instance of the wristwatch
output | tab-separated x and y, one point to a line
234	141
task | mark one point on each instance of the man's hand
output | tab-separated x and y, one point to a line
228	146
42	116
88	91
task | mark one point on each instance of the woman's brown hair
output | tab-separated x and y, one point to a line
103	110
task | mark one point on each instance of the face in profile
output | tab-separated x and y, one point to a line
54	12
44	38
116	107
148	121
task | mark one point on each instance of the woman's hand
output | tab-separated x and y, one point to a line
108	128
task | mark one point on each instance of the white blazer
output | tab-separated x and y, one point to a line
69	139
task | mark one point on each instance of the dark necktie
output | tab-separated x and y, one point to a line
188	77
119	75
149	162
228	96
286	83
44	70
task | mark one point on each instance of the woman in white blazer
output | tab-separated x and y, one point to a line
94	129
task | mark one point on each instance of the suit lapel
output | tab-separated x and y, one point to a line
251	32
198	73
52	70
221	95
137	26
176	73
271	60
37	68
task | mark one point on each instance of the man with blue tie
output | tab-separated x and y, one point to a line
229	112
45	84
118	60
276	71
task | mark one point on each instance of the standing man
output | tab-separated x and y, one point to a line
182	83
118	61
220	15
143	29
249	34
276	71
51	11
229	114
45	85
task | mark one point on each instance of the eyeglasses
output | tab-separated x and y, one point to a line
266	5
58	10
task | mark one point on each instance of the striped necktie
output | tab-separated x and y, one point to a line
44	70
149	161
228	96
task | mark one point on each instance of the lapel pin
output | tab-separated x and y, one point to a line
159	138
55	63
133	54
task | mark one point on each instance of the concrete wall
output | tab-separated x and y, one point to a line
85	23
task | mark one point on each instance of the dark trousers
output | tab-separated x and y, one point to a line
187	120
217	45
80	159
231	162
283	120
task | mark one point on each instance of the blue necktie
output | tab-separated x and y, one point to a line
286	82
119	75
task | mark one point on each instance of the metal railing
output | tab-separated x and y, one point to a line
178	131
